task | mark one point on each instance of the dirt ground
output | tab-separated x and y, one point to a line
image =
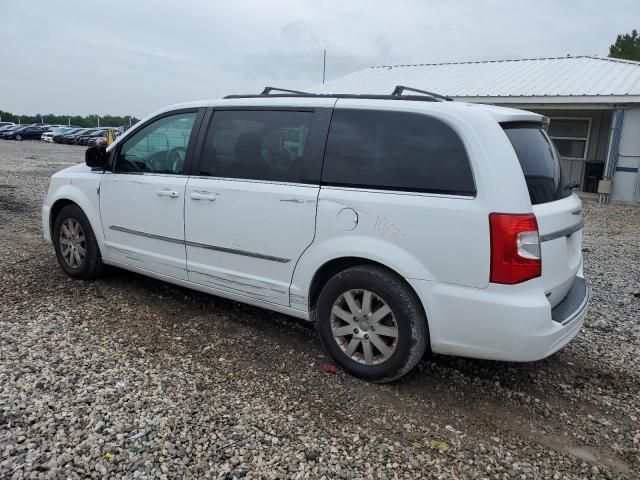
129	377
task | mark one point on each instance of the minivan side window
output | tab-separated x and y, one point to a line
396	151
258	145
159	147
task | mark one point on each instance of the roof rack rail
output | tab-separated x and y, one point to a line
268	90
397	95
397	92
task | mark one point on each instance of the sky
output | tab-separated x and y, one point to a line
135	56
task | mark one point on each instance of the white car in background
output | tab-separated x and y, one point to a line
48	136
398	224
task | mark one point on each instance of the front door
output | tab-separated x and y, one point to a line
250	213
142	199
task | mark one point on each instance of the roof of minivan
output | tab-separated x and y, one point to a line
499	114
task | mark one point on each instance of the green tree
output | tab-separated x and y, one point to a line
627	47
77	120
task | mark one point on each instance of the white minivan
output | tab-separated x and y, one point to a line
399	224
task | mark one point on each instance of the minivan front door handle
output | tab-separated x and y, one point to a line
168	193
203	196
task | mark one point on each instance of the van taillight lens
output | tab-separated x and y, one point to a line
515	248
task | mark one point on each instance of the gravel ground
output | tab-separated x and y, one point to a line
131	377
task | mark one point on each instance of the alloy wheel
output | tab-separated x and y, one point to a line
73	244
364	327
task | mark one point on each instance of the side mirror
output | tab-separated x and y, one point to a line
96	157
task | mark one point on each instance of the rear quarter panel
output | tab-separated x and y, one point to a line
417	235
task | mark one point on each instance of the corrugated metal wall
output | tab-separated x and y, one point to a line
598	139
600	123
626	179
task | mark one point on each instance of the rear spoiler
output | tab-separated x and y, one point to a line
543	123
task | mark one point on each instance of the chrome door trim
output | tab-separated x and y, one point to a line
233	251
245	253
145	234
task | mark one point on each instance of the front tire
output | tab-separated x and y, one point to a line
18	137
372	323
75	244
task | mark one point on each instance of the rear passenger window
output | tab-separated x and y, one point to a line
258	145
396	151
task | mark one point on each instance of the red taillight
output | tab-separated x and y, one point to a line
515	248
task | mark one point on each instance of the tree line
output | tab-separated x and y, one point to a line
77	120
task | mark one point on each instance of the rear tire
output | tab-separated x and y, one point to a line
372	323
76	245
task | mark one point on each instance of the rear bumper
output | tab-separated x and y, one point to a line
574	304
500	322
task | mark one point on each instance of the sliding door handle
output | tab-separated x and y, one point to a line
203	196
168	193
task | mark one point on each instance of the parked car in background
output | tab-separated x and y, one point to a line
48	136
72	138
97	141
59	137
8	128
100	138
30	132
84	138
5	124
92	140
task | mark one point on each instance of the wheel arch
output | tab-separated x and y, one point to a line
70	195
56	208
339	264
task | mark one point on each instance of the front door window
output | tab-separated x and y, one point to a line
159	147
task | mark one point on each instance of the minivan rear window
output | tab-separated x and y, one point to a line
543	171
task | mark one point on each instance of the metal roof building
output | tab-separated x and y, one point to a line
593	103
